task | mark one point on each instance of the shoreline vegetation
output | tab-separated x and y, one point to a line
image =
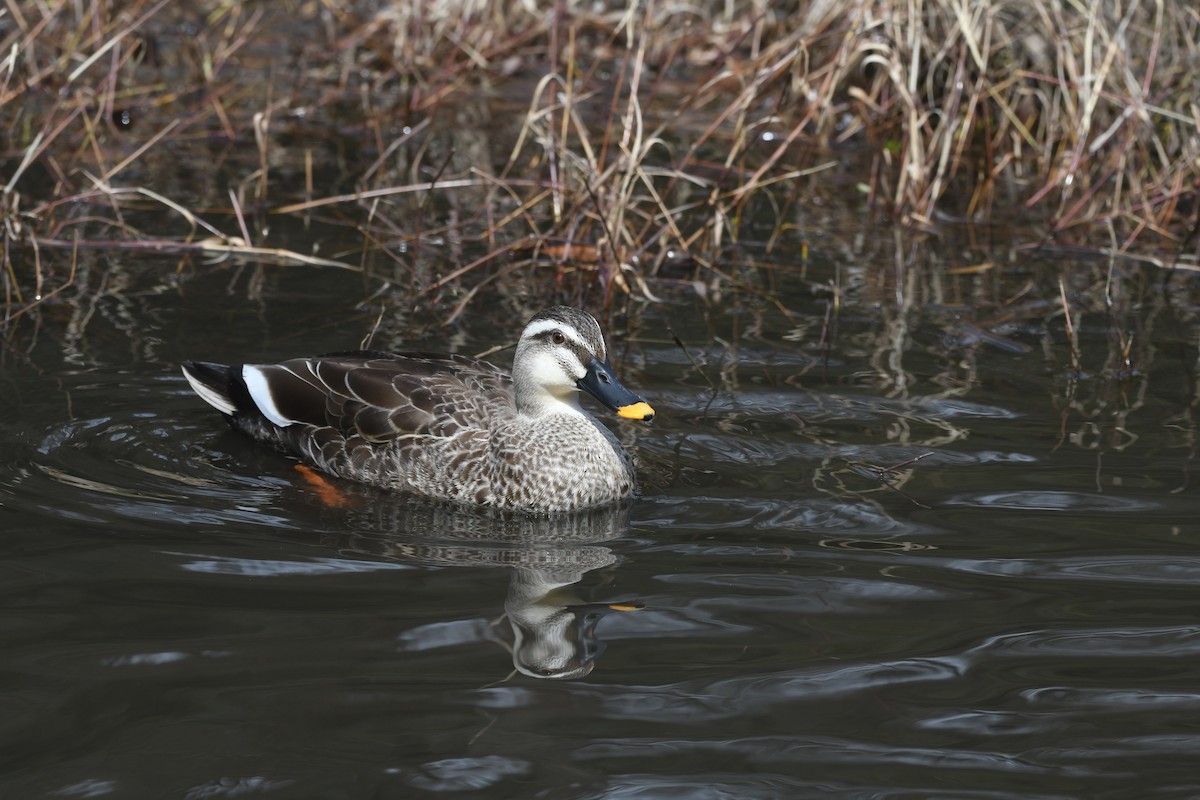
647	140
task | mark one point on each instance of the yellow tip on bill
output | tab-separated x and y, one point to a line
641	411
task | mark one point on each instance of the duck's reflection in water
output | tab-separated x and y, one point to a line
554	632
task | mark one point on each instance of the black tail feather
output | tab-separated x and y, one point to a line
215	383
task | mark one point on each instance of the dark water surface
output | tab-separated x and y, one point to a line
1017	617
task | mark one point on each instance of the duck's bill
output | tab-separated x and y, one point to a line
602	384
639	410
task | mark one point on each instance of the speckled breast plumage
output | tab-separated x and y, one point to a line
442	427
447	427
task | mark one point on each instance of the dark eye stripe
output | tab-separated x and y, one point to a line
579	351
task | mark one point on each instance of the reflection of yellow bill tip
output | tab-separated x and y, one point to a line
626	606
641	411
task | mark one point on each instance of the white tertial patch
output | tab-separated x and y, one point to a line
260	393
210	395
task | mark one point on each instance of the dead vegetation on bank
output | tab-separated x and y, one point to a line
652	136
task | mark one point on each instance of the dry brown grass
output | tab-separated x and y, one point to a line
652	137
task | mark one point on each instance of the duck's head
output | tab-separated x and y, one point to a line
561	352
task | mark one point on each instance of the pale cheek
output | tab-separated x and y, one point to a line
548	371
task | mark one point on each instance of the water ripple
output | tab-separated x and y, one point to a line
1168	642
137	467
236	787
817	515
750	694
1105	700
778	751
262	568
466	774
737	785
825	406
1140	569
1052	501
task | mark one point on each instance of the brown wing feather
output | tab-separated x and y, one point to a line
380	397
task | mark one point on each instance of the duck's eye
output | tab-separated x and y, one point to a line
557	338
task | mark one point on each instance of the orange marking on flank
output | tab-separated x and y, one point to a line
329	495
